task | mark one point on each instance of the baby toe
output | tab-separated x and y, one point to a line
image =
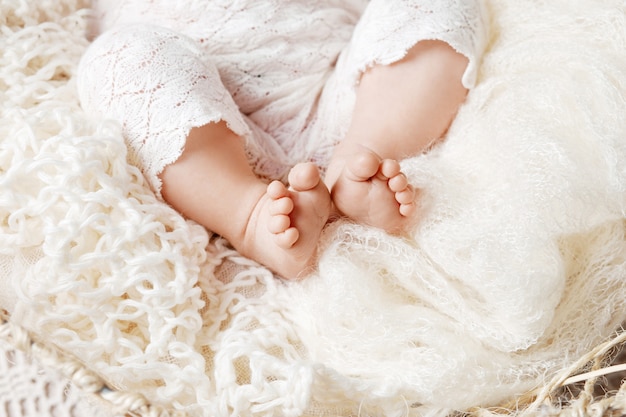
407	210
278	224
304	176
398	183
283	205
390	168
276	190
362	166
287	238
405	196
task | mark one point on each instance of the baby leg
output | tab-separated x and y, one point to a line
277	226
401	109
185	132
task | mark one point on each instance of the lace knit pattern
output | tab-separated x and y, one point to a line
266	65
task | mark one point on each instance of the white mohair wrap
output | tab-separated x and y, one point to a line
515	270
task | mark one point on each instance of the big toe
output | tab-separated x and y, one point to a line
363	166
287	238
304	176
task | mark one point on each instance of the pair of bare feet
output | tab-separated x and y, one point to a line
401	109
275	225
396	114
285	226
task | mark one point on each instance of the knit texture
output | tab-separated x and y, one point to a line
514	271
281	74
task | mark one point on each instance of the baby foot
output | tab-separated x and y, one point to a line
374	192
286	223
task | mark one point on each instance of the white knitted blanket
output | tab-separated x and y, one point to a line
515	270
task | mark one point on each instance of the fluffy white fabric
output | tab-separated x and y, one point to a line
514	271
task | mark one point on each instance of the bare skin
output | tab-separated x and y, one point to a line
213	184
400	111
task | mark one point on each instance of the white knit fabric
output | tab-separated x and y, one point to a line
27	389
515	270
162	69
